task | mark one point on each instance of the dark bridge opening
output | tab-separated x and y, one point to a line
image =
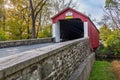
71	29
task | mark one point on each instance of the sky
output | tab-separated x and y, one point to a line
92	7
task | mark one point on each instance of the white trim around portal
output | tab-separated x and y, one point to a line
56	31
85	29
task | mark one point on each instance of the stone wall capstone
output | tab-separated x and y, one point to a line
4	44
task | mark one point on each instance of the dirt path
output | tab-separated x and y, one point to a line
116	68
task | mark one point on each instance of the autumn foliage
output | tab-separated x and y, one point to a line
116	68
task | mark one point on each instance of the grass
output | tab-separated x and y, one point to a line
102	70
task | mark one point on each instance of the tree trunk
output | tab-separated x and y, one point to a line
34	13
33	28
4	23
39	27
28	32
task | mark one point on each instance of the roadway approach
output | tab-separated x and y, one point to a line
4	52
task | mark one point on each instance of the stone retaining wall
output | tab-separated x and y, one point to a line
55	62
83	72
14	43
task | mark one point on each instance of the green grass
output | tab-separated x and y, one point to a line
102	70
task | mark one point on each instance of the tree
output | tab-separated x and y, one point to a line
111	39
104	32
35	7
58	5
17	19
15	24
110	31
112	13
113	42
2	14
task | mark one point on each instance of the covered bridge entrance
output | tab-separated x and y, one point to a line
71	29
70	24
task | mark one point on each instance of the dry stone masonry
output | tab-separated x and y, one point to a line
69	60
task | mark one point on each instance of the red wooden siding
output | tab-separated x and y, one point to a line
76	14
93	35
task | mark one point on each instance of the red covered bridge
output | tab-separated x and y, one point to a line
70	24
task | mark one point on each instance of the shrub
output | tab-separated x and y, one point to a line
111	40
3	36
46	32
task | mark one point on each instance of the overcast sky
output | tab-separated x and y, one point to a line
93	7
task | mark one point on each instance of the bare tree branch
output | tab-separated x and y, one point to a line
40	8
38	5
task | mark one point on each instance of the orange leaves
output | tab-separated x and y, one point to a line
116	68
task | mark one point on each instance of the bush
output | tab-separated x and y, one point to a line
111	40
103	50
3	36
46	32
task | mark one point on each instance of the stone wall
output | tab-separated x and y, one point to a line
83	71
55	62
14	43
